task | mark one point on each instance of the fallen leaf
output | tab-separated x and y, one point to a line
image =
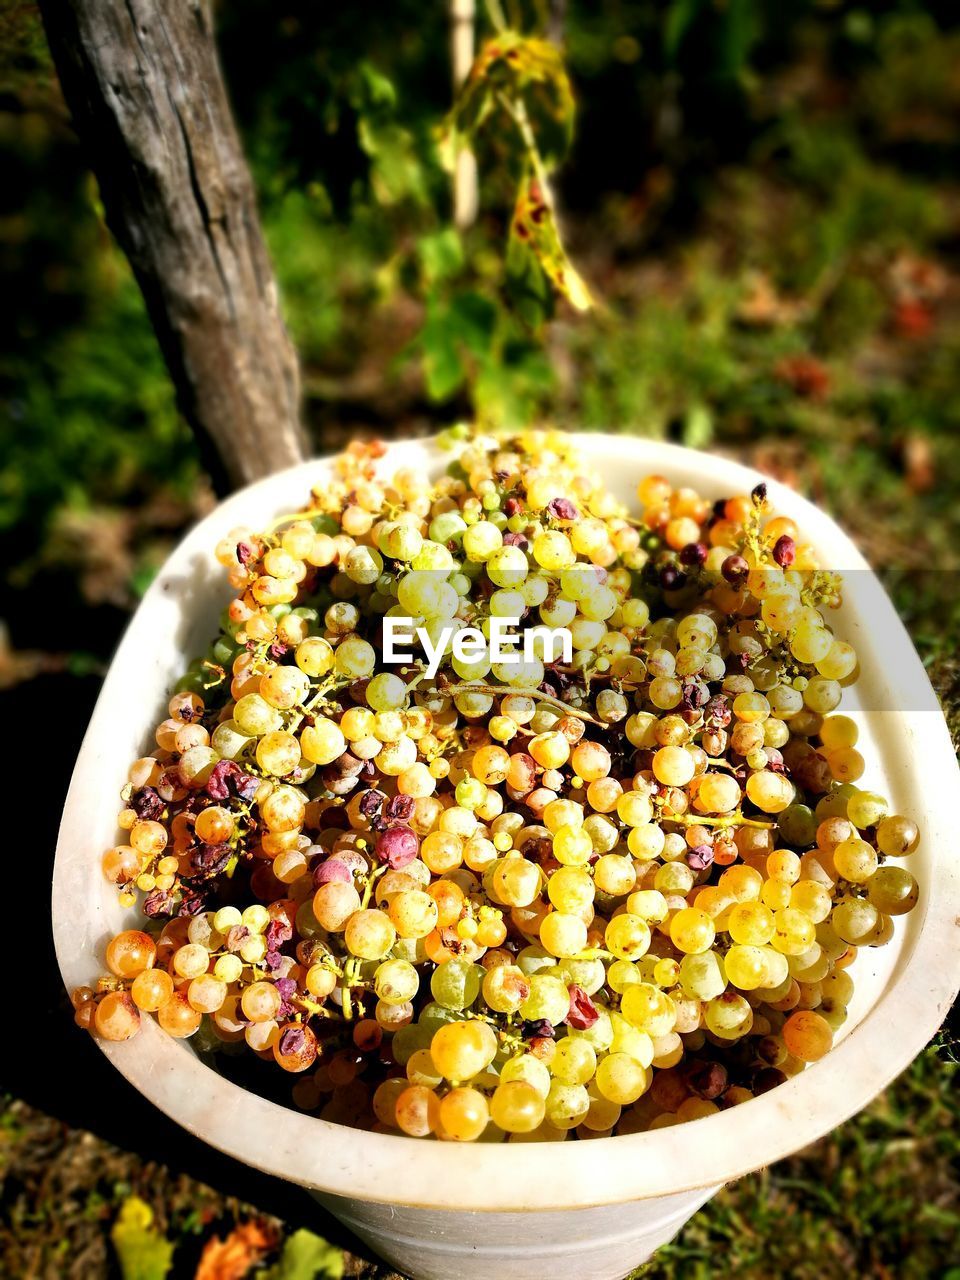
232	1258
306	1257
913	318
805	375
762	306
143	1252
916	278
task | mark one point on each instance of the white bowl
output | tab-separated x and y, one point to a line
440	1209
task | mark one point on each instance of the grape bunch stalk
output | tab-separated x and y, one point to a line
520	900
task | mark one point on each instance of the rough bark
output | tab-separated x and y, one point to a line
143	83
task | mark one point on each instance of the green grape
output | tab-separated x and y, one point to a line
893	890
548	999
456	984
729	1016
566	1104
574	1061
530	1070
396	981
621	1079
701	976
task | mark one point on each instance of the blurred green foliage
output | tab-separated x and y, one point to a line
760	192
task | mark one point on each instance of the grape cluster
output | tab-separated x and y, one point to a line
520	900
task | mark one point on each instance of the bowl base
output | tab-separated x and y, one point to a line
603	1243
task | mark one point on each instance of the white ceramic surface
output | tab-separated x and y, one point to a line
602	1243
422	1204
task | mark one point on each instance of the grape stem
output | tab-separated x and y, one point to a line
315	1010
329	685
728	820
496	691
349	975
368	888
505	1034
291	516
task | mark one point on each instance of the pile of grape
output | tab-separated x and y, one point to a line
520	900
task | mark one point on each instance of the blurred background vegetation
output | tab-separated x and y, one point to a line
763	195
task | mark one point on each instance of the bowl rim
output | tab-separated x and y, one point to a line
352	1163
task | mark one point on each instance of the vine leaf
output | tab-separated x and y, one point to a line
534	228
518	91
457	332
522	68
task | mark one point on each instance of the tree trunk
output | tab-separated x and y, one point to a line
463	18
143	83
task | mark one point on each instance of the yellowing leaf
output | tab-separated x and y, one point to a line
143	1252
535	227
525	68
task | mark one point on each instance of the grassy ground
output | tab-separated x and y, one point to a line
879	1198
